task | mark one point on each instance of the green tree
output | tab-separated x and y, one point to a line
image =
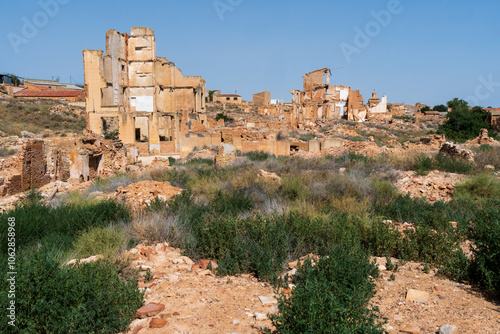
463	123
426	108
457	103
440	108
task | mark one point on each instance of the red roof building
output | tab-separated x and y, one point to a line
69	95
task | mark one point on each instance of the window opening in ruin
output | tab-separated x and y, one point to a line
123	68
235	98
228	98
141	129
94	162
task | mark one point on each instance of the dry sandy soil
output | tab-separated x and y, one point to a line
198	302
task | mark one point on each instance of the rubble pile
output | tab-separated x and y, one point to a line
435	186
455	151
139	195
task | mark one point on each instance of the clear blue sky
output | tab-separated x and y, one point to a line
426	51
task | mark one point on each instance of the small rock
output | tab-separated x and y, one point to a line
149	310
204	272
137	329
381	267
489	168
417	296
260	316
410	330
268	300
448	329
157	323
187	260
86	260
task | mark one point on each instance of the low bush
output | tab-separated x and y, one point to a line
84	298
484	268
424	164
56	228
106	241
5	152
330	297
257	156
479	186
110	184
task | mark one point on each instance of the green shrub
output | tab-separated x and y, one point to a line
423	164
257	156
485	269
293	188
106	241
224	117
453	165
84	298
113	135
5	152
57	228
456	267
330	297
463	124
479	186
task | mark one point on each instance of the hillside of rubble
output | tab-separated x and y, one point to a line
222	240
207	235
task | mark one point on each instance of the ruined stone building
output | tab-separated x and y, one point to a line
262	99
227	98
320	99
141	96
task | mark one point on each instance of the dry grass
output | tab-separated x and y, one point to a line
34	116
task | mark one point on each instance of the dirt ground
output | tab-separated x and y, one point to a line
197	302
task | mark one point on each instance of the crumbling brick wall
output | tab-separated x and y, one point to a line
34	166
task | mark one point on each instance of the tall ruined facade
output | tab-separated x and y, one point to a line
320	99
141	96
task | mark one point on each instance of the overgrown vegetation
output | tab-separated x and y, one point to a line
313	209
5	152
34	116
55	298
463	124
441	162
250	224
330	296
83	298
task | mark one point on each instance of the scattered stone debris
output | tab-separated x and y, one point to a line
140	194
455	151
435	186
